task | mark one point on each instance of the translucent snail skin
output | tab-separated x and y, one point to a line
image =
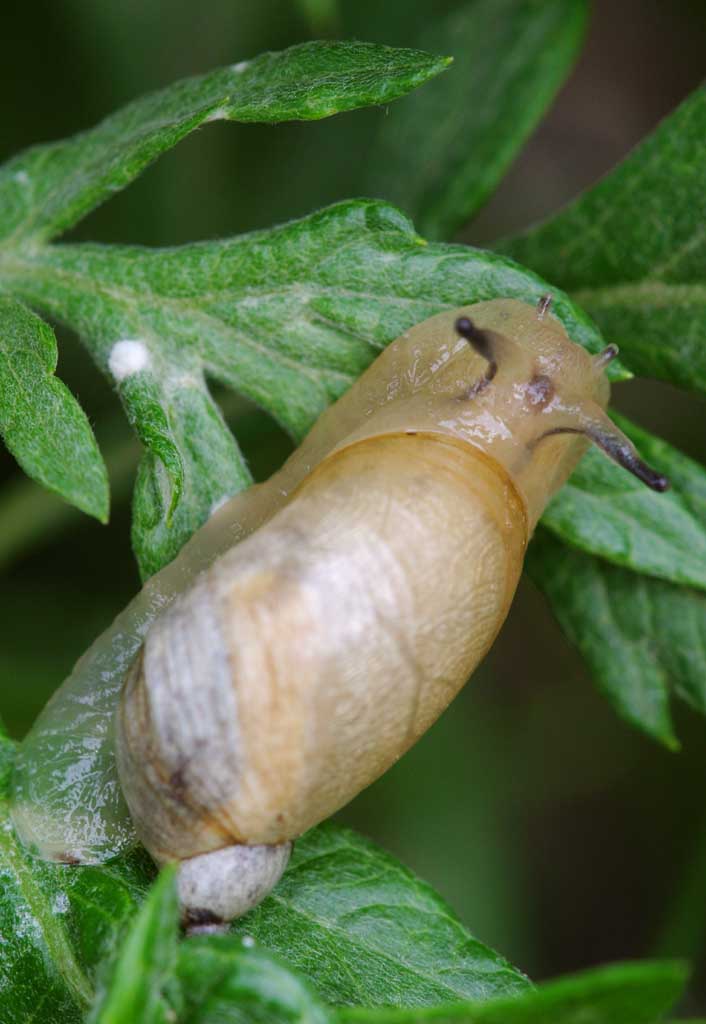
320	622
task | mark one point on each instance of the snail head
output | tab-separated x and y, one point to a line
561	387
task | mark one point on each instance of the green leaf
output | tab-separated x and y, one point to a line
224	978
632	250
350	917
192	465
147	407
443	152
608	512
57	923
288	317
41	422
49	188
630	993
364	930
145	962
638	635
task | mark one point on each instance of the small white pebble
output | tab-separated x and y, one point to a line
248	941
128	357
239	68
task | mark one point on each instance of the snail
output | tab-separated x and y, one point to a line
317	624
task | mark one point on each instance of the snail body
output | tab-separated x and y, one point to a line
332	613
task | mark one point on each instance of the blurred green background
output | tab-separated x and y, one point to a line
562	837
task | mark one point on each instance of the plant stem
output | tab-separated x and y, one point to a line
683	930
29	514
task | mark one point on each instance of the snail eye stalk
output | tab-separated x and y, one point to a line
604	358
482	343
594	424
620	450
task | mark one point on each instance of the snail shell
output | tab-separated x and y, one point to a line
309	658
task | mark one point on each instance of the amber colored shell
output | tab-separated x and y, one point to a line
315	653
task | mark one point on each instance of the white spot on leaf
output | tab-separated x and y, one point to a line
60	903
219	114
128	357
240	67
